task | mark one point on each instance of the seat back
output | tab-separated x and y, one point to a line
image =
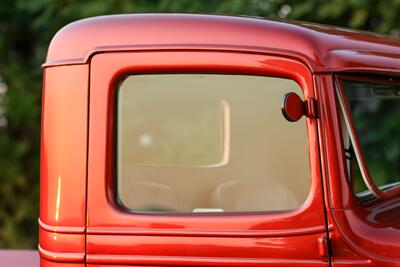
253	195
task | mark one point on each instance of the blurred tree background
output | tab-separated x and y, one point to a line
26	28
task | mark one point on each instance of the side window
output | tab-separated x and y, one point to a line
374	107
208	143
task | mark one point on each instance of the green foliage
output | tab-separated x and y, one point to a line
26	28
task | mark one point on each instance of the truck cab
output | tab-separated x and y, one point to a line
201	140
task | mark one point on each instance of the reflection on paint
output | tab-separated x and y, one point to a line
58	197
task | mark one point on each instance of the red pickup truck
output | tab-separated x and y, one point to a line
198	140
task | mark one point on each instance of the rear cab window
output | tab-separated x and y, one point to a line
208	143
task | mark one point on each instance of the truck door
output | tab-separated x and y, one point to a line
191	163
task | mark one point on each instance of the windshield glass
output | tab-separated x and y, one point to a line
375	109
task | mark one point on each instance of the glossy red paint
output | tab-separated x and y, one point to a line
115	236
71	251
370	232
80	219
48	263
63	163
323	49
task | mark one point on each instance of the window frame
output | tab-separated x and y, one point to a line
344	110
104	212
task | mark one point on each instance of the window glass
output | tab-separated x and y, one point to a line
208	143
375	111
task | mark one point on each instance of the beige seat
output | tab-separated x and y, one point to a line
150	196
256	195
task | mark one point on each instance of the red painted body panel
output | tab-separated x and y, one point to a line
80	219
322	48
72	249
267	239
371	232
64	144
47	263
63	163
205	251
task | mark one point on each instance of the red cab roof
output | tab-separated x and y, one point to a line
321	48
